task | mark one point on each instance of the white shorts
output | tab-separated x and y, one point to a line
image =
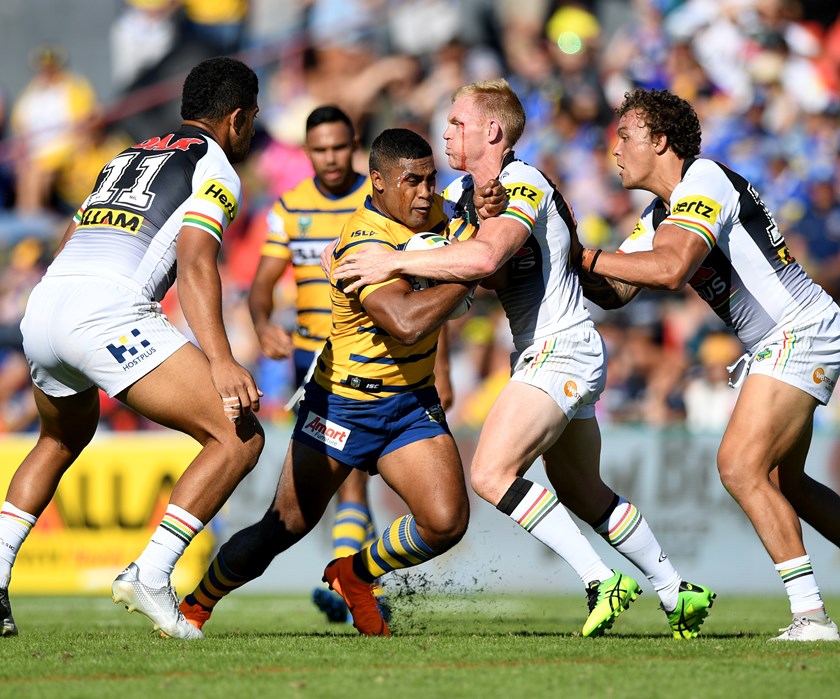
569	366
80	332
806	356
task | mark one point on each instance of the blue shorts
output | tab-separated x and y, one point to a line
358	433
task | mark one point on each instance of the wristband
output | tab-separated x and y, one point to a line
594	259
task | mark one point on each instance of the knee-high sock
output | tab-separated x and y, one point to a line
400	546
350	530
539	512
169	541
15	525
624	528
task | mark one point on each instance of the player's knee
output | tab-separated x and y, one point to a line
445	527
484	484
245	448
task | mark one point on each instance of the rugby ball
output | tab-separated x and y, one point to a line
427	241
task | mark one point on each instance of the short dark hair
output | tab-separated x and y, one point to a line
328	114
217	87
665	113
392	145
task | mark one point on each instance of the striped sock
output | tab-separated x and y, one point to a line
171	538
800	584
217	582
539	512
400	546
15	525
350	528
624	528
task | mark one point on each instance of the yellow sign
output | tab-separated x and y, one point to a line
106	508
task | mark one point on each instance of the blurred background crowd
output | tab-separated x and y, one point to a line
763	75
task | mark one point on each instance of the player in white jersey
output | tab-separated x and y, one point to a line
95	321
707	227
558	369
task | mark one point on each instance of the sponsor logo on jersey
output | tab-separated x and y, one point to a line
638	231
785	255
330	433
166	143
698	207
362	234
709	284
215	191
820	377
112	218
520	190
571	390
130	351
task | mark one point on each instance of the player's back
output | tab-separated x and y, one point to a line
127	227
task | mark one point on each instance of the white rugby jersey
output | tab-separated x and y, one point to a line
749	277
543	296
127	227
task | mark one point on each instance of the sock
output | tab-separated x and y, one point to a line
217	582
400	546
15	525
624	528
539	512
350	528
800	585
171	538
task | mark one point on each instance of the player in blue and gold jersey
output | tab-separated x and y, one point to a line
300	224
371	405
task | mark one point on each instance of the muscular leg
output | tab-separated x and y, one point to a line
307	482
523	424
180	394
814	502
750	449
67	426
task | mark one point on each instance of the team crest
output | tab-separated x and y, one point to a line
436	414
304	224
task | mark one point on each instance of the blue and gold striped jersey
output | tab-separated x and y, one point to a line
360	360
301	224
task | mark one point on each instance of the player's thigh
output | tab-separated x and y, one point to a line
69	420
428	476
573	461
307	482
179	393
522	424
770	418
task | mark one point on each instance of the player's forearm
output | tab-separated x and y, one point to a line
426	310
200	295
648	270
454	263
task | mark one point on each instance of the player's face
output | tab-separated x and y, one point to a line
465	134
634	151
240	138
330	149
407	192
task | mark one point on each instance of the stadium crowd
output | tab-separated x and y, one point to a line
763	75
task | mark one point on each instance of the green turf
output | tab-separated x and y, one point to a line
443	646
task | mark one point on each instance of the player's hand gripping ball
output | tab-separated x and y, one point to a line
425	241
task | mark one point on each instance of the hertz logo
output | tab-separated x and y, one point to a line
112	218
215	191
520	190
698	207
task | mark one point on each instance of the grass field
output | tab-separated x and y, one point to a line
443	646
